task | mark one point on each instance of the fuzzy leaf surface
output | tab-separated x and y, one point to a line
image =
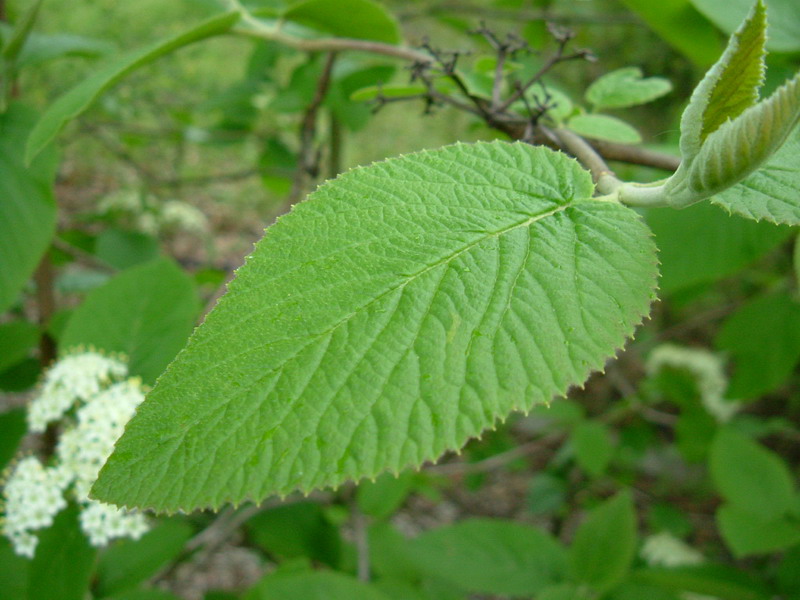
401	310
771	193
626	87
729	87
739	147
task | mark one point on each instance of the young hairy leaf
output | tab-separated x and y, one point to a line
81	97
729	87
404	308
771	193
739	147
626	87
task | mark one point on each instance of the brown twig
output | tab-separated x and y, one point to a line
308	159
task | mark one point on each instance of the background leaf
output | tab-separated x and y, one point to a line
699	245
750	477
763	339
603	127
62	566
129	562
145	312
81	97
360	19
626	87
377	326
27	209
783	17
491	556
605	544
322	585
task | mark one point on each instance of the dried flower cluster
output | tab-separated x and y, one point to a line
89	395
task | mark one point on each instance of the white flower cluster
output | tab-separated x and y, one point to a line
707	369
33	497
665	550
33	493
74	378
183	216
151	216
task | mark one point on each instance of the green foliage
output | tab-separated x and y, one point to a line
682	26
131	562
80	98
146	312
12	424
361	19
699	245
605	544
603	127
27	210
313	586
771	192
763	339
17	338
593	447
491	556
784	20
451	282
382	497
624	88
62	566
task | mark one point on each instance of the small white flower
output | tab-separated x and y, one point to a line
184	216
708	370
33	496
103	522
665	550
84	449
121	200
73	378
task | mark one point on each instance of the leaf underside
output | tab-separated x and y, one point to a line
771	193
401	310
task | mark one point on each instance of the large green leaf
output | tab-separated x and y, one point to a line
491	556
360	19
626	87
784	19
403	309
81	97
771	193
27	208
750	477
605	544
145	312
